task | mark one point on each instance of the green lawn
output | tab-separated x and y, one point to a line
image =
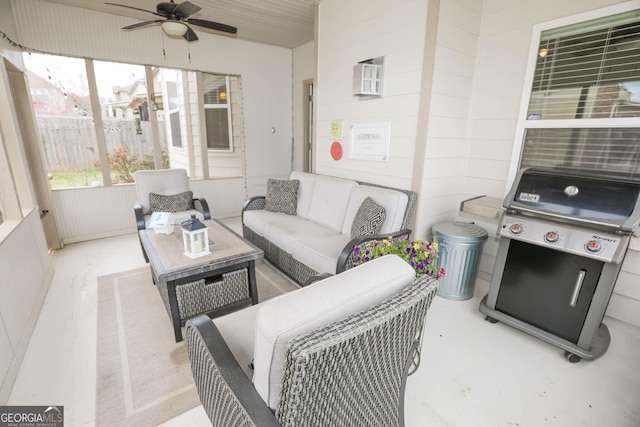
84	178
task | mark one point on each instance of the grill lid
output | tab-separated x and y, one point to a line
567	194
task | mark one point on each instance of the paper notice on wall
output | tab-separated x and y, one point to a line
336	129
370	141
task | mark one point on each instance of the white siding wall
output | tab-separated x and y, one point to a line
354	31
26	275
93	213
448	121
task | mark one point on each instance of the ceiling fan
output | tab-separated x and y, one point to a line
176	20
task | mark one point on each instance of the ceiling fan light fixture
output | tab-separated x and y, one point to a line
174	28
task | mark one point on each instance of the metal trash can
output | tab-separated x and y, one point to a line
460	245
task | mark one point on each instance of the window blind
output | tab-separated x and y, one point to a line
588	70
217	124
215	88
589	149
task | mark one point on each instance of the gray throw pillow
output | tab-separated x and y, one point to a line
282	196
174	203
368	219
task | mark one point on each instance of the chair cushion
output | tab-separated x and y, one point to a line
238	331
171	203
282	196
314	306
368	219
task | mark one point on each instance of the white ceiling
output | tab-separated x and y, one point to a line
286	23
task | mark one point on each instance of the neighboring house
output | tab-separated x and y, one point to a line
49	99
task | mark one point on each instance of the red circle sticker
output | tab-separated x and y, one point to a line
336	150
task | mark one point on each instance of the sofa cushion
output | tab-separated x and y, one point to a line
305	191
321	254
171	203
282	196
329	201
311	307
285	234
258	220
368	219
393	201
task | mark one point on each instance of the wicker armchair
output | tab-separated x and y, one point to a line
164	182
351	372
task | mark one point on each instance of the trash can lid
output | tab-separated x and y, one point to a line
460	231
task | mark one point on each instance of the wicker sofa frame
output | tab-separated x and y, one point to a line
302	273
349	373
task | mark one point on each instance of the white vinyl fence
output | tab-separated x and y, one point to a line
70	143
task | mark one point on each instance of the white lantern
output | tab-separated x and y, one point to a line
195	238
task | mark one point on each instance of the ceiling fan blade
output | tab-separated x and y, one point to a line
134	8
141	24
213	25
186	9
190	35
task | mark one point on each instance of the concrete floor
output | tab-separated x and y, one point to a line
473	373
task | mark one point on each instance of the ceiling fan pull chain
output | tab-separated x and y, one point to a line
164	53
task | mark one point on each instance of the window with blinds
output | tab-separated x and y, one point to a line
588	149
217	112
588	70
586	77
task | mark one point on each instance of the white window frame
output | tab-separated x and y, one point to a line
523	124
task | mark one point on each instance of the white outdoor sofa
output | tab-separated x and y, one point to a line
316	237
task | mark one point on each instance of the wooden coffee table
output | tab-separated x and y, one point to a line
213	284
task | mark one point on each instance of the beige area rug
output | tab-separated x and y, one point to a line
143	375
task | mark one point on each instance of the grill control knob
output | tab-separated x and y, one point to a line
551	237
515	229
593	246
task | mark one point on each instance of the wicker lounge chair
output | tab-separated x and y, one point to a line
348	372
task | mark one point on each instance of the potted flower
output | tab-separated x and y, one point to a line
420	254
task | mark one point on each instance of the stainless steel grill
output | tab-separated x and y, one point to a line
563	238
